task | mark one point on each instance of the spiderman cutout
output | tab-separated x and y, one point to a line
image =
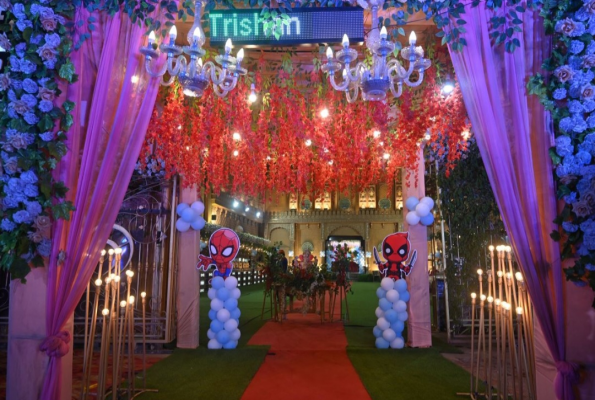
224	245
395	249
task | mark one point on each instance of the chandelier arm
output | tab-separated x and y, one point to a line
154	74
350	98
175	65
419	80
220	92
399	91
343	86
210	69
233	84
357	72
169	81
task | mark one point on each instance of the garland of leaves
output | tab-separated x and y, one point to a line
568	92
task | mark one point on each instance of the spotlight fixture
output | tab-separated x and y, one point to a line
258	214
236	203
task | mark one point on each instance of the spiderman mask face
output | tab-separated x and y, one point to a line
224	245
395	247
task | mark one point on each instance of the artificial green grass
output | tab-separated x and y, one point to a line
406	374
204	374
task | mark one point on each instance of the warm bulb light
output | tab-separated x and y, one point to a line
173	33
252	96
236	153
98	282
518	276
491	247
236	137
497	302
473	295
508	249
490	299
129	273
412	38
466	134
143	294
105	312
308	142
103	253
386	156
134	79
324	113
117	278
376	133
110	252
519	310
118	250
479	272
499	273
131	300
508	276
123	303
482	297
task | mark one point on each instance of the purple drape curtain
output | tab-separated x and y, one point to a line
513	133
112	113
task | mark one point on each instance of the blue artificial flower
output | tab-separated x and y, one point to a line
22	216
589	240
14	186
588	171
46	106
572	164
584	185
16	84
18	10
591	27
7	225
30	100
47	136
35	8
591	121
590	267
575	62
10	202
581	15
15	64
583	157
50	64
34	208
588	225
31	118
570	198
560	94
589	105
27	67
52	40
566	124
29	177
576	46
30	86
569	227
36	39
564	146
582	251
20	49
562	170
23	24
31	191
591	48
12	95
44	248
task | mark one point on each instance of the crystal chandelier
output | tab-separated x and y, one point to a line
194	75
383	75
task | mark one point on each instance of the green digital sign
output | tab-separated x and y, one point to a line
307	25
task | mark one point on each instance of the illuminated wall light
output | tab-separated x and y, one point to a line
247	209
376	133
134	79
386	156
179	127
308	142
237	137
236	153
324	113
258	214
252	97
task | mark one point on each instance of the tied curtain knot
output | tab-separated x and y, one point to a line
57	345
567	377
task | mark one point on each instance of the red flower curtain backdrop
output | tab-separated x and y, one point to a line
283	144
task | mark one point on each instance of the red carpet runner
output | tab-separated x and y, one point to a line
307	361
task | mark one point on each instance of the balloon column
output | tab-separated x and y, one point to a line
420	211
224	313
190	216
392	313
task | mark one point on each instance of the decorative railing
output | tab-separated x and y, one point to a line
362	215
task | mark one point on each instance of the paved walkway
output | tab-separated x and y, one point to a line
307	360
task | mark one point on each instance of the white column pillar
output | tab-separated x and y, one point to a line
188	295
419	332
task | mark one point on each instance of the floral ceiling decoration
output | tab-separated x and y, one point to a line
285	144
568	92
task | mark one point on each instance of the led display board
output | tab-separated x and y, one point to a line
307	25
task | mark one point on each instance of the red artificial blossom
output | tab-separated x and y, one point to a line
287	147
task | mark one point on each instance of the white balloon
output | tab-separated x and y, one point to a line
389	335
379	312
428	201
392	295
412	218
212	293
211	334
398	343
230	325
181	207
383	323
235	335
189	215
400	306
216	304
422	209
231	282
223	315
198	224
387	284
198	206
182	225
235	293
214	344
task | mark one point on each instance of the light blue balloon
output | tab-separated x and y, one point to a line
381	343
391	316
398	327
217	282
232	344
400	285
403	316
198	224
222	294
427	220
180	208
212	315
411	203
381	293
223	337
231	304
377	332
385	305
216	326
405	296
236	313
